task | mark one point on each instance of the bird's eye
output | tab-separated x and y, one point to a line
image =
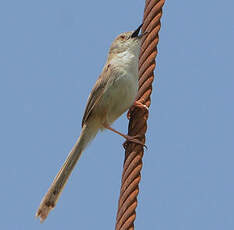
122	37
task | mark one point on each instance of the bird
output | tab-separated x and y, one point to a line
114	92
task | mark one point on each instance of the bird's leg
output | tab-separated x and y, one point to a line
127	137
137	104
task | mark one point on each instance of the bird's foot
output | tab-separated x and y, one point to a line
137	104
133	139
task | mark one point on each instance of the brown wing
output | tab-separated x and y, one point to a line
96	92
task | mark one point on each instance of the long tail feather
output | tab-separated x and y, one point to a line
50	199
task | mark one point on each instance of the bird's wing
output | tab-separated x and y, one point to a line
97	91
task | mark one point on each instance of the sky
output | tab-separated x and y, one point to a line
51	53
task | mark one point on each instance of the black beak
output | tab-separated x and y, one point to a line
136	32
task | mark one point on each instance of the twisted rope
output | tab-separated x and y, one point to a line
131	174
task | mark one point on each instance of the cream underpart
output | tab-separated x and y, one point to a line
123	90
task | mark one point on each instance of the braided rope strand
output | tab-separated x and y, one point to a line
131	174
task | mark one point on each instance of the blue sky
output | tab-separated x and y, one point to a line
51	53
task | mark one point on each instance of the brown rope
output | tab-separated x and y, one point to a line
131	175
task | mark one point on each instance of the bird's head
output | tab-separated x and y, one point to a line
127	42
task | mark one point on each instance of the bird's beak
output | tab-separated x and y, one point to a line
136	32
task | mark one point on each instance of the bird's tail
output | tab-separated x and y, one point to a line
50	199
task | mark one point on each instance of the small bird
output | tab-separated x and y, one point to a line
114	93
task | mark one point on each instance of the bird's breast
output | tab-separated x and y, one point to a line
120	95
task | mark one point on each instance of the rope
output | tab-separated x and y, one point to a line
131	174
